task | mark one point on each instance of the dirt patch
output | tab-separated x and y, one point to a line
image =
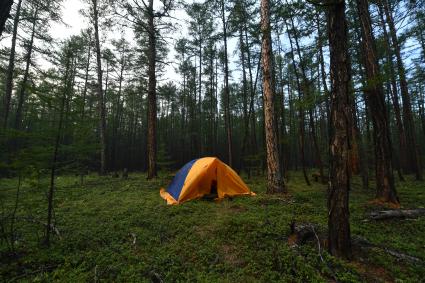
372	273
380	202
230	255
205	231
237	208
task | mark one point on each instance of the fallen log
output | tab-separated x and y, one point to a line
397	213
301	233
362	243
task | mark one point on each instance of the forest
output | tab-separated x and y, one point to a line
318	106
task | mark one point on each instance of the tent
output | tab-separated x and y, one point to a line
201	177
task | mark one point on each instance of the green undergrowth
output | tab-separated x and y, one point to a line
122	231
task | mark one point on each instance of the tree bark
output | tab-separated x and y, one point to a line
275	181
151	145
339	239
413	154
385	187
101	103
11	66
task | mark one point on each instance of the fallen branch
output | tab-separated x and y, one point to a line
397	213
362	243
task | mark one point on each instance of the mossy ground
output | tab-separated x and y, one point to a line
121	230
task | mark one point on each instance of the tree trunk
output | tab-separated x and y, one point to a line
307	91
413	155
394	97
244	99
339	239
5	7
251	113
11	66
22	92
227	122
101	103
301	130
151	146
275	181
116	122
56	151
322	65
385	188
86	79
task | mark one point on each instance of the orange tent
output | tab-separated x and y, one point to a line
198	177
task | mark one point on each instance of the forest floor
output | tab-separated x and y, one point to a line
121	230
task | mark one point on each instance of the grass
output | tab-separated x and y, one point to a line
121	230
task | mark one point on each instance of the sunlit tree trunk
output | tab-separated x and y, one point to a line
275	182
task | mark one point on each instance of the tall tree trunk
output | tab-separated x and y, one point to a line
227	122
322	65
244	98
11	66
385	188
307	91
339	239
275	181
413	154
5	7
86	79
116	122
101	103
251	112
56	151
421	106
151	146
284	137
301	130
394	97
200	136
23	90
